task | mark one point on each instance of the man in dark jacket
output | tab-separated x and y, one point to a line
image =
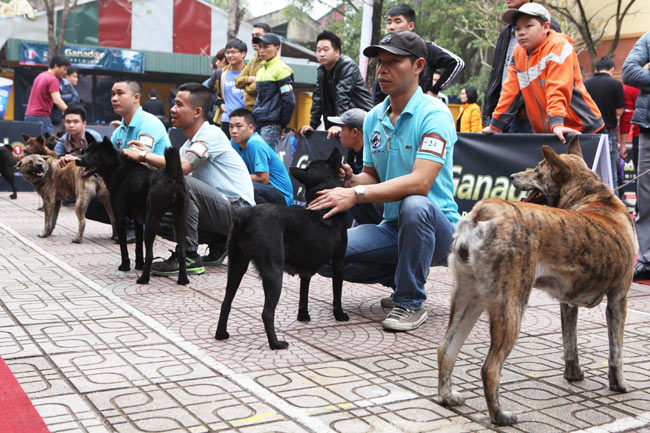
402	17
636	74
154	105
339	85
275	99
502	54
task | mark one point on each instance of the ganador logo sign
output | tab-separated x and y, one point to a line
82	54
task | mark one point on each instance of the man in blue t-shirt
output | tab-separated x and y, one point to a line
271	181
407	164
223	82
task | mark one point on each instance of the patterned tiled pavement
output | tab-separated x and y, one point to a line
96	352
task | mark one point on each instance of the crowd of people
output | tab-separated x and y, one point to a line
398	182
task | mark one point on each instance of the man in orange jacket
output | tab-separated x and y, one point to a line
546	74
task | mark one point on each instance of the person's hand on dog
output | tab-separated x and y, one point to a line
337	200
560	131
333	132
345	174
133	152
64	160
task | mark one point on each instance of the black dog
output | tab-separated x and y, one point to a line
143	195
7	163
297	240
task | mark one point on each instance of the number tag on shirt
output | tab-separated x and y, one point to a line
434	144
147	140
198	148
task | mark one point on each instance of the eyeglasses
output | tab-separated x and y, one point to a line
232	52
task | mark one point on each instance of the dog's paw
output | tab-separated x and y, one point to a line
143	280
452	398
221	335
183	280
13	196
341	316
76	240
303	316
617	385
573	373
504	418
279	345
124	267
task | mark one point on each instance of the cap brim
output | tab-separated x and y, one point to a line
257	40
373	51
336	120
509	15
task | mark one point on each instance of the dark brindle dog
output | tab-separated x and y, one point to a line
578	248
144	195
293	239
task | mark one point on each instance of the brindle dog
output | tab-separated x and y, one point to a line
573	239
54	184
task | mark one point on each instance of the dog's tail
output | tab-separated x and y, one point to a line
173	167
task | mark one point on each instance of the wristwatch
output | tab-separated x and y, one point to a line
142	155
360	190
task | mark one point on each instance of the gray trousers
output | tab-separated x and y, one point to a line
643	199
209	216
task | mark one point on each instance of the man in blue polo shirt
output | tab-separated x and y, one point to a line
407	164
271	181
137	124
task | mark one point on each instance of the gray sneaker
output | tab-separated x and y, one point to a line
401	319
387	302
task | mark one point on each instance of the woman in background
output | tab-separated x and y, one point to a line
469	118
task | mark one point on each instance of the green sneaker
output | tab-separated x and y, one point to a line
170	266
401	319
215	257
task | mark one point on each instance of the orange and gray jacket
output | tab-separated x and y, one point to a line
275	100
550	83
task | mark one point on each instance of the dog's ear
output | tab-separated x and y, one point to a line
18	164
47	135
59	134
335	158
89	138
40	139
107	142
574	147
558	166
300	174
25	137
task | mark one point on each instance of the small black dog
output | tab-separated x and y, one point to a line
7	163
144	195
295	239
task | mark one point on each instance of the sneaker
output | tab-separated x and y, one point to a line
170	266
215	257
387	302
401	319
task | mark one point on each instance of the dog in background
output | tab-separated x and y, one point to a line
7	163
143	195
572	238
39	145
292	239
54	184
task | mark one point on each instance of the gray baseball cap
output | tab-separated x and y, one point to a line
352	118
532	9
400	43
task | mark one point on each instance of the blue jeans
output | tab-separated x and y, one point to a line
46	123
267	193
399	253
271	134
613	156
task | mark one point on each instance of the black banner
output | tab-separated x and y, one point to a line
482	163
